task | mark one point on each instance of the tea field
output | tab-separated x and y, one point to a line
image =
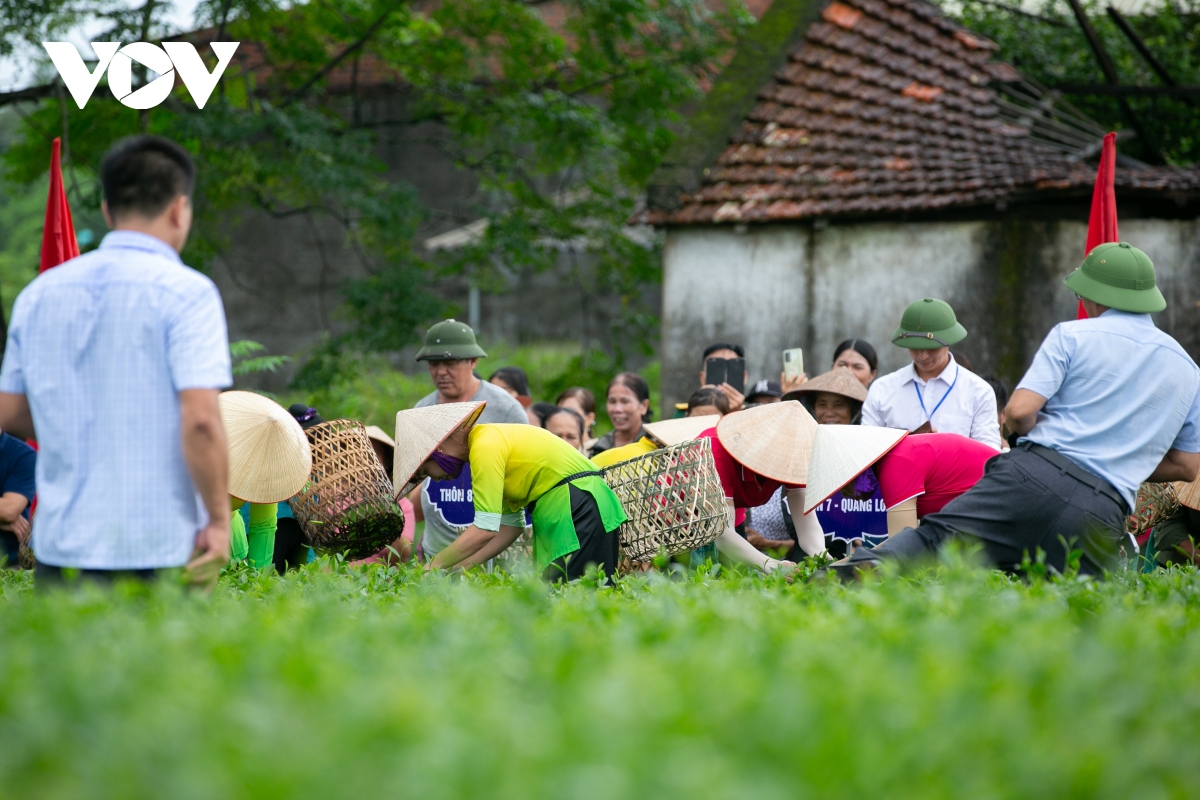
949	683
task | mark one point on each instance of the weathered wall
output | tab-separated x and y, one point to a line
281	278
779	286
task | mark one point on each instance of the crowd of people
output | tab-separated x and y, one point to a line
117	368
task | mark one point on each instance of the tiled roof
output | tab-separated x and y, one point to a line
886	106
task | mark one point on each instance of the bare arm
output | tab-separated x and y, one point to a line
496	545
15	416
468	543
902	516
735	548
12	506
1020	415
1176	466
207	455
809	534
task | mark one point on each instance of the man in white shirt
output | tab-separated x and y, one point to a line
934	393
116	358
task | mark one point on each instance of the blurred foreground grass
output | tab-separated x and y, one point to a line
949	683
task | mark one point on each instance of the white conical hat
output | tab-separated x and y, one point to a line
419	431
269	456
380	435
670	432
840	454
1189	494
773	440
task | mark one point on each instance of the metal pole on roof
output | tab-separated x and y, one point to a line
1159	68
1110	74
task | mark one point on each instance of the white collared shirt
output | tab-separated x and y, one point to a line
965	403
102	346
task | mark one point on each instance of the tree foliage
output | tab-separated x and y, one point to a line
560	110
1054	51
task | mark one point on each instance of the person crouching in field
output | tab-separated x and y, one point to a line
270	461
756	452
576	516
1109	402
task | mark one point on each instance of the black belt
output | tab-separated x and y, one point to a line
1069	467
596	473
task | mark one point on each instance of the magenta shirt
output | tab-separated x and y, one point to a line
933	467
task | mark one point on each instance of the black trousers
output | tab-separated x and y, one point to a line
1027	499
596	545
49	577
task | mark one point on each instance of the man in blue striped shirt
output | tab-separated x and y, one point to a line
115	360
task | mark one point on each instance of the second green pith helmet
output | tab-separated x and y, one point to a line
1119	276
927	325
450	340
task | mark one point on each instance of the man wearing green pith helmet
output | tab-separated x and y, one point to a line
933	393
1109	402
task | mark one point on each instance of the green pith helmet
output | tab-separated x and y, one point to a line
450	340
1119	276
927	325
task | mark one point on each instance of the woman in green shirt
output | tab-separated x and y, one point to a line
270	460
514	468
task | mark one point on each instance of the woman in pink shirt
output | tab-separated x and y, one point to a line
923	473
918	473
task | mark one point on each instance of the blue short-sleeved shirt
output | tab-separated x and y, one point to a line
1119	394
101	346
17	464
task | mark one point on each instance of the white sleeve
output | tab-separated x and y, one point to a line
809	534
872	414
735	548
985	422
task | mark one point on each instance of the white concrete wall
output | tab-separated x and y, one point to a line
779	286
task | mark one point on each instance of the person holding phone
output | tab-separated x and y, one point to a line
934	393
723	367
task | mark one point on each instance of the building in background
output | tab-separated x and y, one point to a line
859	154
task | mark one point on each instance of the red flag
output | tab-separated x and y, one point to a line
58	237
1102	222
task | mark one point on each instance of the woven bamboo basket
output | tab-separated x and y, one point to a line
25	557
347	505
673	499
1155	502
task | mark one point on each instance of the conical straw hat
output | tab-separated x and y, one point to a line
380	435
1189	494
838	381
420	431
840	454
269	456
774	440
670	432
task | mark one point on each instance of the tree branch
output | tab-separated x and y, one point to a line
340	57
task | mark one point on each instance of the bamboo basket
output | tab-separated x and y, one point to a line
25	557
1155	503
673	499
347	505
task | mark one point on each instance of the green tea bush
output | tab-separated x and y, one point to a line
950	682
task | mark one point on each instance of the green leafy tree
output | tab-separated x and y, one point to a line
561	124
1050	47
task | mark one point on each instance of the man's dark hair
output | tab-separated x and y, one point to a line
712	348
143	174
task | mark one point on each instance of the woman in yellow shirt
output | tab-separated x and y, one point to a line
576	517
